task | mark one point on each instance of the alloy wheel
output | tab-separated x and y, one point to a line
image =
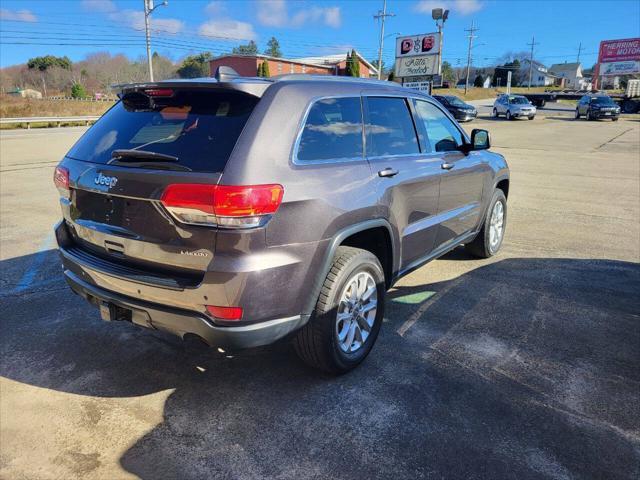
356	312
496	225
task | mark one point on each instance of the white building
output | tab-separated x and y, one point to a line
572	74
540	75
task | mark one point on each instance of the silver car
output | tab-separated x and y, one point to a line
513	106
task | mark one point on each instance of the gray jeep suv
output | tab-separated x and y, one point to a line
245	211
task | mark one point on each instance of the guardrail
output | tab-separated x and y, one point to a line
57	120
82	99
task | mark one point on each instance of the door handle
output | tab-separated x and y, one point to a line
388	172
447	166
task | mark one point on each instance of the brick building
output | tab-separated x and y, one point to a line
247	65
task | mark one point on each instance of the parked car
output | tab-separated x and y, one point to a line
597	106
513	106
463	112
246	211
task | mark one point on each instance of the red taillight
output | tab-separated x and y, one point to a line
225	313
192	196
61	180
159	92
224	205
231	201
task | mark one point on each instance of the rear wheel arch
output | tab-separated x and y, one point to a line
503	184
353	236
376	240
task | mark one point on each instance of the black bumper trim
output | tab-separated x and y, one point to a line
181	322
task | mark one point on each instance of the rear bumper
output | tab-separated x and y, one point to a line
181	322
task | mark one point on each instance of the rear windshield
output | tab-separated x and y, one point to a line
200	128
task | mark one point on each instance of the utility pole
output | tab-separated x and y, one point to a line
382	14
533	44
579	51
471	31
148	10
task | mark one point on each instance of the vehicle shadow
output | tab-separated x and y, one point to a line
516	369
564	118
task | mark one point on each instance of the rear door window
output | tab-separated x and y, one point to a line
199	128
389	127
442	135
332	130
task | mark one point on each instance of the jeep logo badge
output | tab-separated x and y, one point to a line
104	180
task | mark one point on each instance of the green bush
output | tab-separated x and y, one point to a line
78	91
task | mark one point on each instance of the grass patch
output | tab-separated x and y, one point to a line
11	107
484	93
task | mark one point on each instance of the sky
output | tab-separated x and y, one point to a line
74	28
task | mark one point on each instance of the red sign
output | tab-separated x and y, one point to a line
619	50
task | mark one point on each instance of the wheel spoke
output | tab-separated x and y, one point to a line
370	291
362	285
364	324
350	335
369	306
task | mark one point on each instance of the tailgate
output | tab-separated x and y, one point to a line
115	212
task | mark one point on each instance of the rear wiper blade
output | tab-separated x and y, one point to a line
133	154
159	165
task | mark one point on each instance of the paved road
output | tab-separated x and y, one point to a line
526	366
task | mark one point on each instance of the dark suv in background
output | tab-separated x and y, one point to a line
463	112
244	211
593	107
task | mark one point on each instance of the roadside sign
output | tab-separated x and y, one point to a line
627	49
416	66
620	68
421	86
418	45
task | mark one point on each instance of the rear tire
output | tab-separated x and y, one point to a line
615	119
318	343
495	113
577	116
509	117
532	117
484	246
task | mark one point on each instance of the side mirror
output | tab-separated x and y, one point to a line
480	139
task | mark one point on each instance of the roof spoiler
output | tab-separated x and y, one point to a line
224	74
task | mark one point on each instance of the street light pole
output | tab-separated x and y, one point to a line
382	15
440	16
148	10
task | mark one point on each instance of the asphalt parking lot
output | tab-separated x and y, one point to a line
526	366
